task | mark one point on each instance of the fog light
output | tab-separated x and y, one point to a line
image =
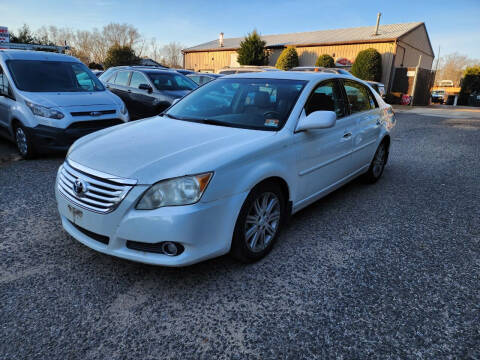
170	248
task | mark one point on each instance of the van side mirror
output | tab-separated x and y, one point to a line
145	87
317	120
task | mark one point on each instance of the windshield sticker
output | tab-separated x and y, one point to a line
271	122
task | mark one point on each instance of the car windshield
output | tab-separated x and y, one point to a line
53	76
171	81
262	104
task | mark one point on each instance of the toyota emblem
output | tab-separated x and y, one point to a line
79	187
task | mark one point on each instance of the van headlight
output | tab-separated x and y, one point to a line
43	111
184	190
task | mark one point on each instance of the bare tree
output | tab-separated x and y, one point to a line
172	53
452	66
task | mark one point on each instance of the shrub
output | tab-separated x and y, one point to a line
325	60
93	65
470	83
252	50
287	59
120	55
368	65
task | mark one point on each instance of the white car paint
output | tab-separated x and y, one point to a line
312	163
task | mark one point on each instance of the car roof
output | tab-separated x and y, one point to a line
288	75
8	54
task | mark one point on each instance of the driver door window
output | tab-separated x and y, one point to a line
327	97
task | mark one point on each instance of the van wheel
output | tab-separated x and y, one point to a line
24	143
258	223
377	165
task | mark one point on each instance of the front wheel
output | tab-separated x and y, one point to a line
24	143
378	163
258	223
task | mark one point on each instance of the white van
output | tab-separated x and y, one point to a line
49	100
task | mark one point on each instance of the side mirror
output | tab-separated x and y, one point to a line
317	120
175	101
145	87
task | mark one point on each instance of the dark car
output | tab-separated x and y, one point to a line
203	78
184	71
147	91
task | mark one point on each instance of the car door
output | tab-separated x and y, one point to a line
6	101
324	155
119	86
367	115
142	100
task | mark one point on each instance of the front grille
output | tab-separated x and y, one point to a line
92	113
100	238
95	124
90	189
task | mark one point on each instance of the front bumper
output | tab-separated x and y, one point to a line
48	138
204	229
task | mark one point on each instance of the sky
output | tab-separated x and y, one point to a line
452	25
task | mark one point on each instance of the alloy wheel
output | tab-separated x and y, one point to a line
379	161
262	222
21	139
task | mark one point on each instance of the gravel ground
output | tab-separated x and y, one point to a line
386	271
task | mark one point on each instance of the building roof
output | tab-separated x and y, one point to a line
364	34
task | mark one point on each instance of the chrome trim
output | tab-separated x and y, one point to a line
101	174
103	192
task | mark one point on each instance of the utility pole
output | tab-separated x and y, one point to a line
436	66
415	80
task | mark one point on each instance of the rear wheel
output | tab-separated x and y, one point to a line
258	223
378	163
24	143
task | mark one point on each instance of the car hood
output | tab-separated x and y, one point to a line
67	99
159	148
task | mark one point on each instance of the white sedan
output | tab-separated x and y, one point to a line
222	169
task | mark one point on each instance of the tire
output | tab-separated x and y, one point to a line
251	224
23	142
377	165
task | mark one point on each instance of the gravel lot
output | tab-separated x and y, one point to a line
387	271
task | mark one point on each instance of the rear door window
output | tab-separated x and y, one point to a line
359	97
138	79
122	78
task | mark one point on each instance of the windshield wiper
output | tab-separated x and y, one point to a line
202	121
172	116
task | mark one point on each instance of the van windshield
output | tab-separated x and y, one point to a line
53	76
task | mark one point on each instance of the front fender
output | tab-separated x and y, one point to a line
241	175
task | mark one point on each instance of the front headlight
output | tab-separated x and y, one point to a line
43	111
184	190
123	109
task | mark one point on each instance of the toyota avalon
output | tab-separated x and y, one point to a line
223	168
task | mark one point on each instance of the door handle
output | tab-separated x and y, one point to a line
129	90
347	135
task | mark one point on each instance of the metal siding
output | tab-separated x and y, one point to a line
412	56
418	39
308	55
